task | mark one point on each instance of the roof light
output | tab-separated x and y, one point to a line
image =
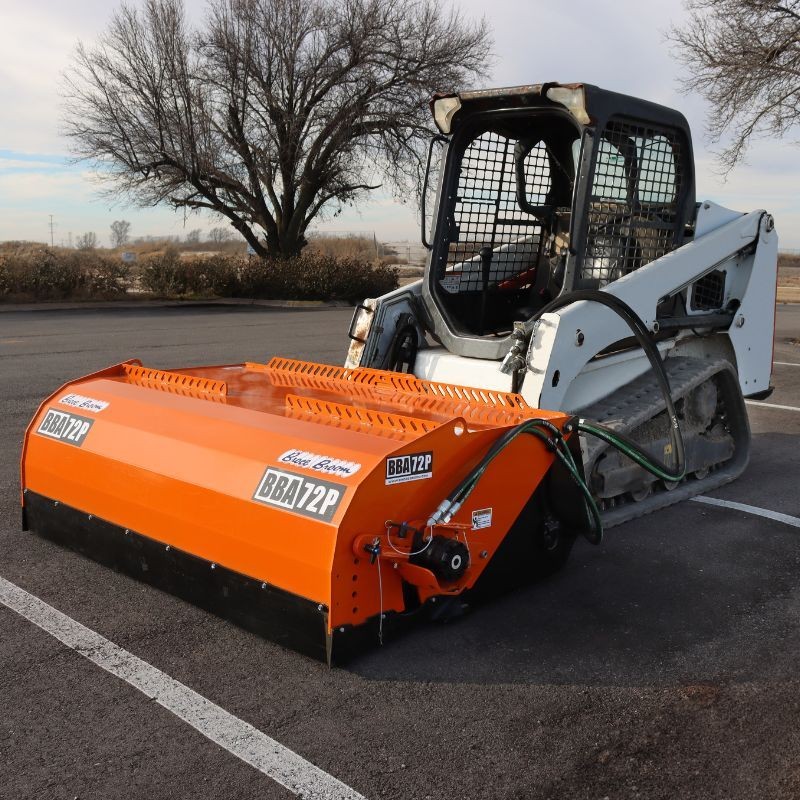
444	109
573	99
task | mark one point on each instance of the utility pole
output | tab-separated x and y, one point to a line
52	227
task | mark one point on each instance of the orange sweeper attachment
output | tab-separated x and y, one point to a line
319	506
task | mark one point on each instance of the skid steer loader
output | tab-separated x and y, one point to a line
576	355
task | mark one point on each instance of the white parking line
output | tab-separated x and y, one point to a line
761	512
786	363
237	737
771	405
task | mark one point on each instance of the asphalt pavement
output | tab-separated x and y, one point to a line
661	664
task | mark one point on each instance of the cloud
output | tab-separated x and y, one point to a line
19	189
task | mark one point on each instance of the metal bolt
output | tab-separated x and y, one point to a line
127	532
263	585
656	327
167	548
320	607
55	502
395	565
24	491
739	321
706	206
579	338
213	566
484	553
341	630
91	517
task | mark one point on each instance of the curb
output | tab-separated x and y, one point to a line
101	305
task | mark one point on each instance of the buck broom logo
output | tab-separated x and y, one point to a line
410	467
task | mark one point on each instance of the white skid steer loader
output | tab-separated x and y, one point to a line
554	199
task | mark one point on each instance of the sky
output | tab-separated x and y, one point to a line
617	45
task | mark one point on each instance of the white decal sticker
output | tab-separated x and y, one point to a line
314	498
318	463
481	518
451	282
410	467
84	403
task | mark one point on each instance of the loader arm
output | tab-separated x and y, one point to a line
563	366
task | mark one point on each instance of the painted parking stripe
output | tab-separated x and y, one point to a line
786	519
786	363
233	734
771	405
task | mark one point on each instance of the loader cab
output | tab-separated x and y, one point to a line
545	189
510	193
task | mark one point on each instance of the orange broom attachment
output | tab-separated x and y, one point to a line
295	498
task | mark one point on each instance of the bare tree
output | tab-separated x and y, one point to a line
743	56
272	111
120	229
87	241
220	235
193	237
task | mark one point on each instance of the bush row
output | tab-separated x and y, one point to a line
42	273
39	273
309	276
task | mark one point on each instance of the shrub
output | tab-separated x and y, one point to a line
314	276
216	276
167	275
33	273
104	277
36	272
160	275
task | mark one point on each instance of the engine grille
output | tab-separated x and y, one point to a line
708	293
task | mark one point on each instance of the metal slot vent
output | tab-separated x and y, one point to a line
708	293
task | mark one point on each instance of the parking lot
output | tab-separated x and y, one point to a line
661	664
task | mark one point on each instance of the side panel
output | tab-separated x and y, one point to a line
557	354
753	326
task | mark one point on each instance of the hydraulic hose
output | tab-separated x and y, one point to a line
642	335
555	441
453	502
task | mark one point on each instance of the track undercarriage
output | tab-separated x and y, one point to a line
713	423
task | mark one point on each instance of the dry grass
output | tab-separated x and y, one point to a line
159	247
789	272
343	247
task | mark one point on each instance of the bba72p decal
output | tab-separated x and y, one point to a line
64	426
312	497
411	467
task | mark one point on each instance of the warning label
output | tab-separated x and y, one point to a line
481	518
